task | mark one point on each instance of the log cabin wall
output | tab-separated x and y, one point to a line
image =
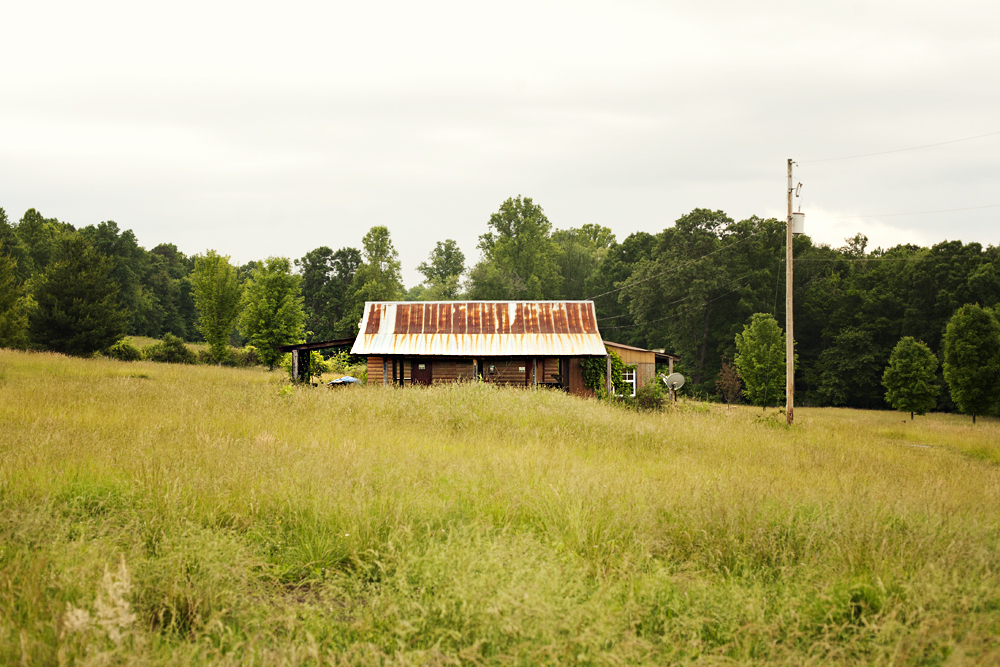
508	371
576	384
452	370
548	368
375	370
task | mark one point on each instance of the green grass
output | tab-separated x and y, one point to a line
152	513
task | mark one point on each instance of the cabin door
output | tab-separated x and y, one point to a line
421	372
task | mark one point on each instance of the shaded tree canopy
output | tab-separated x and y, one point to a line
326	282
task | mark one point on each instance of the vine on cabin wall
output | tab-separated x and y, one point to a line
593	373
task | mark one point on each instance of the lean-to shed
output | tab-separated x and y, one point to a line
504	342
640	364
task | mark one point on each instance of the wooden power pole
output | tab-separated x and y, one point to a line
789	340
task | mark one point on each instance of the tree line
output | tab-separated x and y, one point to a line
690	288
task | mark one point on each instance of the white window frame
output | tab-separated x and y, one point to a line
629	376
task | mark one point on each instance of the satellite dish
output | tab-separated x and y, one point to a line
674	381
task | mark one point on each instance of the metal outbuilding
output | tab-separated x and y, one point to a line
504	342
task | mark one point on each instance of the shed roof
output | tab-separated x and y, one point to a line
480	328
659	355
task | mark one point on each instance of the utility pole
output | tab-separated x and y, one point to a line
789	340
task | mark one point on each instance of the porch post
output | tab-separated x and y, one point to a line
608	385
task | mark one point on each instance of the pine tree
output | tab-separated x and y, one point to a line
13	318
909	377
77	309
972	359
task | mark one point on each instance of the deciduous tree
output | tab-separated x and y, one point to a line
582	250
972	359
676	292
760	358
217	296
909	377
442	273
272	309
519	258
377	279
443	268
326	283
848	370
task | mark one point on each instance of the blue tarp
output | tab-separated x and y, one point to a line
347	379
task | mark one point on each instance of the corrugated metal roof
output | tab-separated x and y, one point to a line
480	328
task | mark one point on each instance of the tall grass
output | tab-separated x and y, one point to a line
189	515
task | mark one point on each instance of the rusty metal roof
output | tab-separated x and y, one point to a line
480	328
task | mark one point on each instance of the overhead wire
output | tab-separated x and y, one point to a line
895	215
861	259
679	267
900	150
671	303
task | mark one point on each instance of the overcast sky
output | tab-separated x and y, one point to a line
273	128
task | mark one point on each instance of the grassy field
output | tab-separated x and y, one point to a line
160	514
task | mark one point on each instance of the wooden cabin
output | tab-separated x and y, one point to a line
527	343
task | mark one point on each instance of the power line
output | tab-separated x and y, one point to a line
671	303
863	259
900	150
679	267
894	215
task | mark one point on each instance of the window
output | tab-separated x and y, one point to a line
629	376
